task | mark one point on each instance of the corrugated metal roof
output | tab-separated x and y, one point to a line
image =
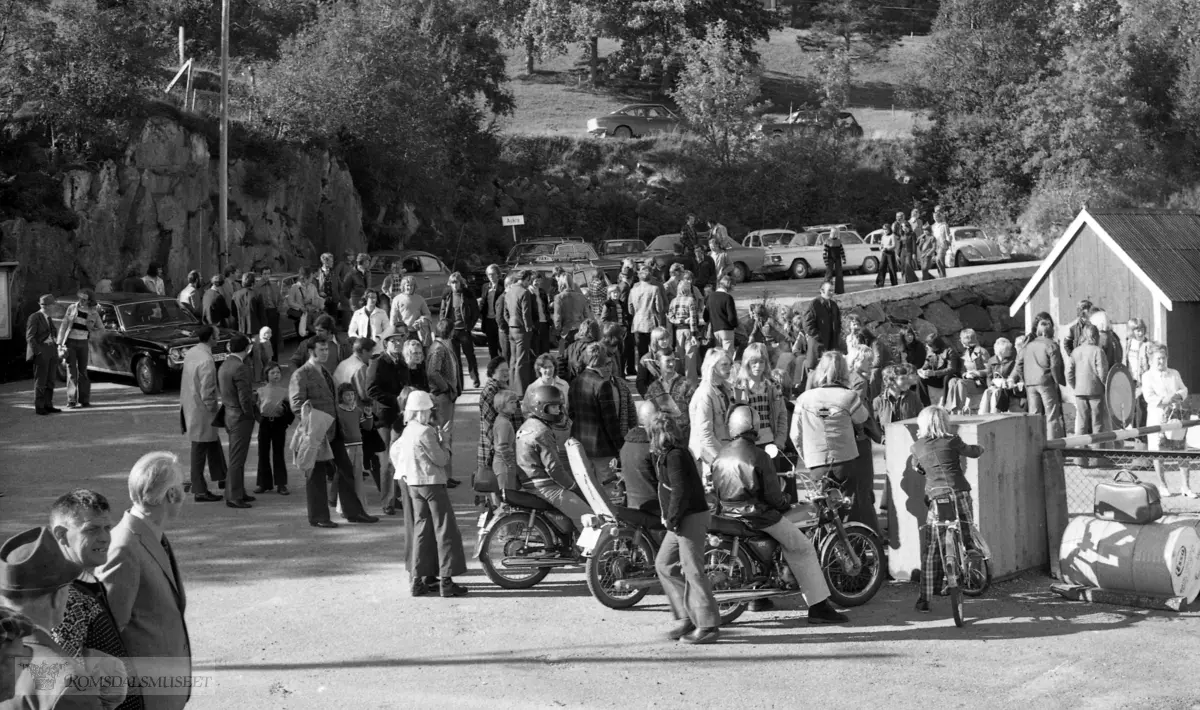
1164	243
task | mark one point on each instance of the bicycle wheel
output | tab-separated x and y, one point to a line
956	603
976	574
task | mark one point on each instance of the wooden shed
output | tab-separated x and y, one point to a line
1133	263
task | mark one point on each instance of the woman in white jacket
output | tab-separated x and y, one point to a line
708	409
1163	389
422	461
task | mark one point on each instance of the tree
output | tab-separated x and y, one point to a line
717	89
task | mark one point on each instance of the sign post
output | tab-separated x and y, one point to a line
514	221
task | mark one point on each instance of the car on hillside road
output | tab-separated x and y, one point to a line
635	121
799	122
803	255
145	336
746	261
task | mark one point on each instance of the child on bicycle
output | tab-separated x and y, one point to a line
937	455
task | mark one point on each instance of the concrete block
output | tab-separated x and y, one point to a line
943	317
960	297
973	316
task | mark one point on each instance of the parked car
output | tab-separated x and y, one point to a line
842	122
428	271
967	245
635	120
746	261
145	336
804	254
621	248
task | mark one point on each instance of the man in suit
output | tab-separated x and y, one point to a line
489	304
237	396
312	384
387	375
214	309
35	581
248	308
462	310
592	406
199	402
143	582
522	325
41	348
822	325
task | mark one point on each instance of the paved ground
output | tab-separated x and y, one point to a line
287	616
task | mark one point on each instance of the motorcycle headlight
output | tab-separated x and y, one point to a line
175	355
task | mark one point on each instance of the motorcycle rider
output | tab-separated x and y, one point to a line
541	469
748	488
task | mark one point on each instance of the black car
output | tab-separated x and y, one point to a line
145	336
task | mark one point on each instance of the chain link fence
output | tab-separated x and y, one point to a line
1084	468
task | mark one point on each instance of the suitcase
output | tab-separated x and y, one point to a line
1127	500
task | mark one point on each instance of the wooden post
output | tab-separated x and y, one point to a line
223	203
181	45
187	91
1054	482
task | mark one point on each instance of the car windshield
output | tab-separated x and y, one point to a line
664	243
624	248
968	234
804	239
780	238
151	314
382	263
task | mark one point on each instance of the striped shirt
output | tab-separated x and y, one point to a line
684	312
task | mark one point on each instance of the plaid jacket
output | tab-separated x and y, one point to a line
595	415
685	312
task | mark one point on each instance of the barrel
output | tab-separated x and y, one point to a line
1155	559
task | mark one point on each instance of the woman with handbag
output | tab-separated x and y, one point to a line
1165	393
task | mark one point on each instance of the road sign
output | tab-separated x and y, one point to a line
516	220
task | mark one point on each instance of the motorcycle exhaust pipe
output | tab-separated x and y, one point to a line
533	562
740	597
635	584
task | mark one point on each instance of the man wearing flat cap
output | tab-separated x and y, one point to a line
34	580
41	349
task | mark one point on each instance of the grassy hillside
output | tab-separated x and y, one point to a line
554	100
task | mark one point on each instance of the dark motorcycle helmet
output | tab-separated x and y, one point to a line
546	404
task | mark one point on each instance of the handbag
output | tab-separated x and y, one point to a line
294	313
1127	500
485	481
1175	413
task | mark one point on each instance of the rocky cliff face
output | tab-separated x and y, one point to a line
159	203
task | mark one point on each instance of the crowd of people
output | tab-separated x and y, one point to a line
98	602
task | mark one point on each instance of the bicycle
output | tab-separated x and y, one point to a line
967	571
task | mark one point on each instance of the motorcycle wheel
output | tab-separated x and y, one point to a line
956	603
853	589
725	572
612	561
504	539
976	574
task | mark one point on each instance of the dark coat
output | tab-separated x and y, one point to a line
706	274
519	309
942	367
353	286
637	471
385	380
1041	364
470	309
213	308
680	488
823	323
37	329
236	391
594	415
249	311
489	303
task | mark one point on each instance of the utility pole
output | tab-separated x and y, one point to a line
223	211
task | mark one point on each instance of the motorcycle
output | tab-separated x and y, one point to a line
619	543
522	538
744	564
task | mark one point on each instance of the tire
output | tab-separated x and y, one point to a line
741	273
623	132
960	260
611	561
148	375
503	538
956	604
800	269
870	265
976	574
853	589
728	572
